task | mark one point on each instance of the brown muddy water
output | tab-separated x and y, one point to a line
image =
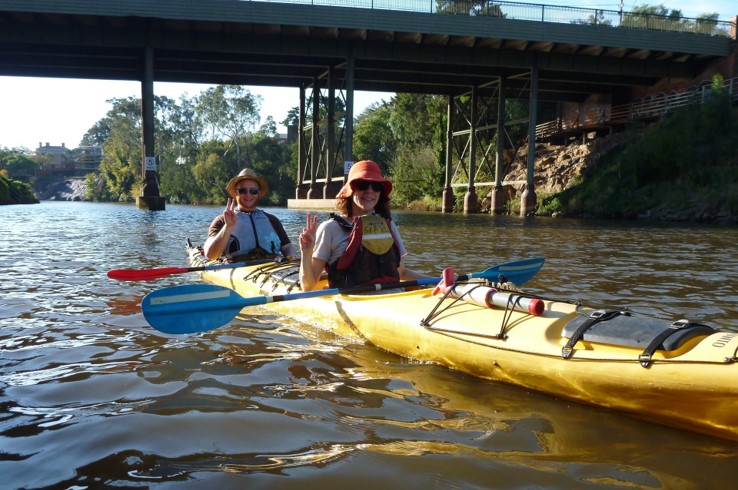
92	397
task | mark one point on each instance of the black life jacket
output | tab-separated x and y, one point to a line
372	255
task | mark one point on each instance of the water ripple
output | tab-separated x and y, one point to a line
91	396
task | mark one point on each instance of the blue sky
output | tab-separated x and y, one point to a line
41	110
690	8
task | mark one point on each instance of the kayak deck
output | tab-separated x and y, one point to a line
691	383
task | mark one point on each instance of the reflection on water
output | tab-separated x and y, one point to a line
92	397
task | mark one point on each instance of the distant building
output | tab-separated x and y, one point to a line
60	159
87	159
55	157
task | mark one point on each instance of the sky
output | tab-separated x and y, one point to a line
690	8
61	110
58	110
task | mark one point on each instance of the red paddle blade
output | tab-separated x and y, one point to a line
144	274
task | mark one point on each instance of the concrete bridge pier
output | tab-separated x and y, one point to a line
498	200
528	202
449	200
149	198
528	199
471	202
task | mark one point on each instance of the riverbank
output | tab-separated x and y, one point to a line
15	192
683	169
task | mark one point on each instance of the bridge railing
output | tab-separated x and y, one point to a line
540	13
645	108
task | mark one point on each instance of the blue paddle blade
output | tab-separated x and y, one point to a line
517	272
194	308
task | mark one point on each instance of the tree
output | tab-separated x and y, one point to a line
659	17
97	134
212	170
19	166
293	117
372	138
271	159
194	142
121	163
415	119
469	7
598	18
228	111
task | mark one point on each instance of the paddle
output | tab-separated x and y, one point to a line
195	308
147	274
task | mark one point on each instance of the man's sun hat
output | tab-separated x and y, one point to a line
364	170
247	174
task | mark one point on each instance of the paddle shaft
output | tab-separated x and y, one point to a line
349	290
201	307
147	274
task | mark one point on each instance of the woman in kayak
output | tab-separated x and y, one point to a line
361	245
244	232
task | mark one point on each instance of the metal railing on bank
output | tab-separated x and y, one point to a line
705	25
646	108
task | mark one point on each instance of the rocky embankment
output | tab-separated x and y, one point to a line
67	190
558	167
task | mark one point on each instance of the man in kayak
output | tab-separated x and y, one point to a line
244	232
361	245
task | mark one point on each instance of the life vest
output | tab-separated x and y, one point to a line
372	255
252	237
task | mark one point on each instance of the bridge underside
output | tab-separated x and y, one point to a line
334	51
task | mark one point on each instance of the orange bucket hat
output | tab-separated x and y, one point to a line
364	170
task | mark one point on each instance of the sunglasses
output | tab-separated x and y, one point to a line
362	185
252	190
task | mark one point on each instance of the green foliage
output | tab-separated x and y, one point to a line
659	17
469	7
230	112
97	134
15	192
121	161
417	120
415	174
549	205
372	138
19	165
95	188
4	190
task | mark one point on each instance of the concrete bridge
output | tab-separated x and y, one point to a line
330	48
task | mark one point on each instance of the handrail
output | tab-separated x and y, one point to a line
647	107
539	13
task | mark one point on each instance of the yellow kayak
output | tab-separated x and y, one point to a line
679	373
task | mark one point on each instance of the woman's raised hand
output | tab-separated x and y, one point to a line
307	237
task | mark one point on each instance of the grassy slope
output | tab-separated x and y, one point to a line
684	168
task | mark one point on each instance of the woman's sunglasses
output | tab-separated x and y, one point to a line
252	190
362	185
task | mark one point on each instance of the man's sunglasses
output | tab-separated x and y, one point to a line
362	185
252	190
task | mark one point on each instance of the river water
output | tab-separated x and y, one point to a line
92	397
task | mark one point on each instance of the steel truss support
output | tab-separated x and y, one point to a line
324	137
478	134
